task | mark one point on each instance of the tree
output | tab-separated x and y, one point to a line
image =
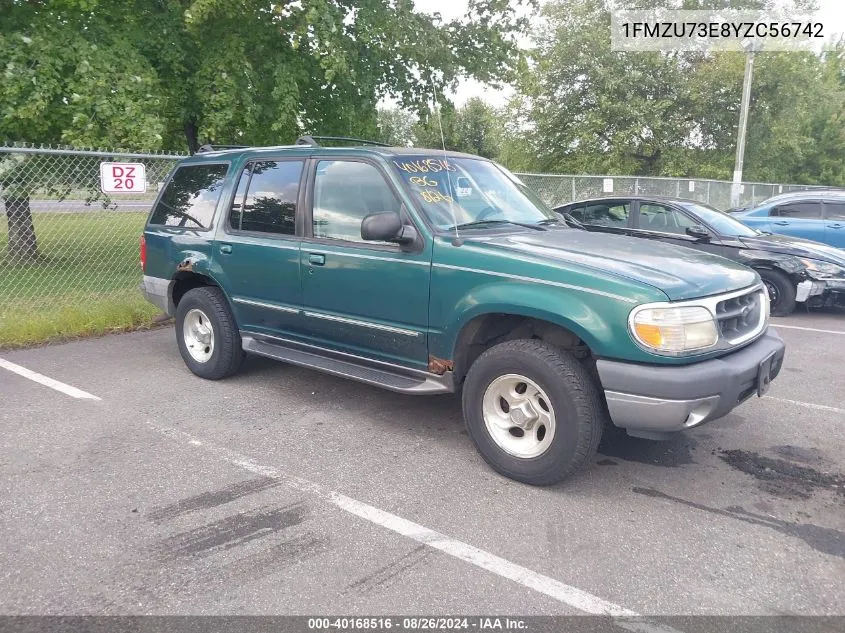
395	126
595	110
169	74
473	128
583	108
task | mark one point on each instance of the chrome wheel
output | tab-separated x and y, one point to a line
518	416
198	335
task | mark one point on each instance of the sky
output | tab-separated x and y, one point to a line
831	13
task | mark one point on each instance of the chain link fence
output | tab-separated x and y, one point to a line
69	260
559	189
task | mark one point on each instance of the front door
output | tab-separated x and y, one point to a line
258	249
362	297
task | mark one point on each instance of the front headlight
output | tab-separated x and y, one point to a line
825	268
674	331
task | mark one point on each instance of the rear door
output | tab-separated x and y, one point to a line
180	224
257	250
834	223
799	219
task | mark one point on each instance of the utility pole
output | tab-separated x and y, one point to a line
750	49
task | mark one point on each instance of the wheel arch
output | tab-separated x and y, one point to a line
186	280
486	329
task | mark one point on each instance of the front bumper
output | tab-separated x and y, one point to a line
650	400
818	292
157	292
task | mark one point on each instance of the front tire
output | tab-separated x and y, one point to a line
781	291
533	411
207	334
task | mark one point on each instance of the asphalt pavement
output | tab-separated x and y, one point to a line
286	491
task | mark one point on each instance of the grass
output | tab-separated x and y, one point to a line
84	283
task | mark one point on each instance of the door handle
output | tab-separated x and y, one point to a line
781	223
834	226
225	248
316	259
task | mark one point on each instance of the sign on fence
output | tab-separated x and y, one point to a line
123	177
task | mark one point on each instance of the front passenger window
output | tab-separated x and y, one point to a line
345	192
656	217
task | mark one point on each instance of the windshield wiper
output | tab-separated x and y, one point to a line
475	223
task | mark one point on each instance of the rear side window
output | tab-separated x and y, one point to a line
606	214
271	189
807	210
834	210
190	197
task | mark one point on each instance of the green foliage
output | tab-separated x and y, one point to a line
395	127
583	108
157	73
473	128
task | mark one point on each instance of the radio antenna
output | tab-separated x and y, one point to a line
446	161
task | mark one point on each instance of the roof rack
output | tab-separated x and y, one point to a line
312	140
213	148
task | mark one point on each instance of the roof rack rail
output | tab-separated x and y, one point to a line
312	140
208	147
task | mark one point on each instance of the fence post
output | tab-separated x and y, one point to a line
677	188
753	198
708	192
637	187
573	188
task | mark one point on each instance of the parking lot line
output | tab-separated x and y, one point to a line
807	329
68	390
566	594
809	405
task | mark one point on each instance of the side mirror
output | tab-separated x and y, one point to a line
386	227
699	232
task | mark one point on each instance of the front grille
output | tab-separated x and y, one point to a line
740	318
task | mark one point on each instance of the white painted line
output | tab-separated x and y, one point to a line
73	392
806	329
566	594
808	405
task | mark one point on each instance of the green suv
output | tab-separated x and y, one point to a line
429	272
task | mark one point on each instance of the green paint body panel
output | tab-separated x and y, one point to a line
404	305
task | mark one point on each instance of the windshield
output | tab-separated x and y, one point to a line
467	191
722	222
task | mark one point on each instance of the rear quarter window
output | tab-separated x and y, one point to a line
190	197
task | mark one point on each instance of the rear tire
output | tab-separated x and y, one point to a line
781	291
533	411
207	334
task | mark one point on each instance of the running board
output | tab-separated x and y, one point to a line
384	375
